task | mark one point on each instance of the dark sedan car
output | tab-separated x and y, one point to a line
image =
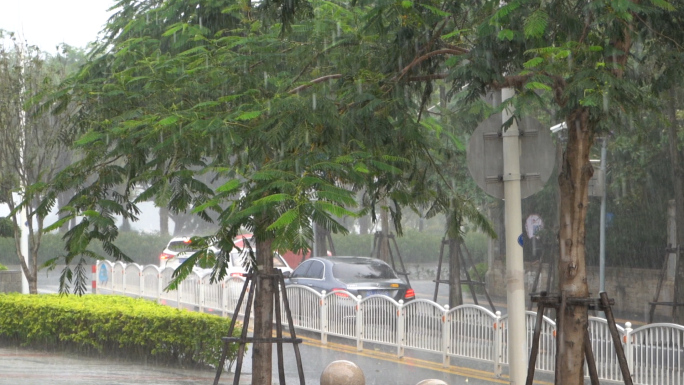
358	275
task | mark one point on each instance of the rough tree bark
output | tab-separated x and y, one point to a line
383	243
263	315
455	292
321	241
164	221
574	183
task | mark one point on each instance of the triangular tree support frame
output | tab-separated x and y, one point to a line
376	251
663	274
464	267
251	281
559	303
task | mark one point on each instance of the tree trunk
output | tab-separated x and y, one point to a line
321	241
384	245
455	292
574	182
164	221
678	179
364	225
263	315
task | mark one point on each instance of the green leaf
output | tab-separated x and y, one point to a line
533	62
89	137
537	86
229	186
407	4
662	4
287	218
438	12
249	115
274	198
506	34
169	120
535	24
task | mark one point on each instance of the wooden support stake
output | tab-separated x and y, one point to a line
624	369
439	270
559	337
293	334
224	354
535	344
589	356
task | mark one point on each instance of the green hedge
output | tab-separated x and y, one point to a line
119	326
142	248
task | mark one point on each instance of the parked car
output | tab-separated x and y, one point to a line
358	275
176	252
180	248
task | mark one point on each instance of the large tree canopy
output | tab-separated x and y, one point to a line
292	105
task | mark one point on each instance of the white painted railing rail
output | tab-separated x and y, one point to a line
655	353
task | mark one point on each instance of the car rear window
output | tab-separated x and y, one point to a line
345	271
180	246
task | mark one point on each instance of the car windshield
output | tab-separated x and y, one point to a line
347	271
180	247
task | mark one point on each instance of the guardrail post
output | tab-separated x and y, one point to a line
123	279
160	284
94	278
401	332
142	282
324	318
359	325
179	296
224	299
498	342
627	347
201	295
446	331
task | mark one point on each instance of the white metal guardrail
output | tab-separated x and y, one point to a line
655	353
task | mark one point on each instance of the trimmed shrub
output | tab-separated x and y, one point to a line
118	326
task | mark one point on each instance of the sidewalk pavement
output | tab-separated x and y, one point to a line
32	367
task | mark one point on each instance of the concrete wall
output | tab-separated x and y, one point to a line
10	281
632	289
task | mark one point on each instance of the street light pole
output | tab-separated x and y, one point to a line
602	244
515	270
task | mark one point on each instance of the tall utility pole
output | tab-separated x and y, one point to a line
515	270
602	231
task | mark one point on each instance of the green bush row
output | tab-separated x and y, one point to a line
142	248
119	326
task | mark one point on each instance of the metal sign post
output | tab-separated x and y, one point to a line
515	270
512	165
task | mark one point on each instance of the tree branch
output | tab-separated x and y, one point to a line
315	81
418	60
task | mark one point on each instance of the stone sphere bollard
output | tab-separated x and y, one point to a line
432	382
342	372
